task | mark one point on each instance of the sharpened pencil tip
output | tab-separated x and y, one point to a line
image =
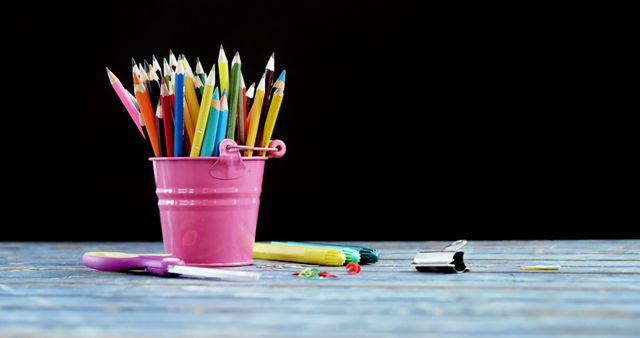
180	68
283	75
271	64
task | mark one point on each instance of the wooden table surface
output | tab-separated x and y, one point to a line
46	291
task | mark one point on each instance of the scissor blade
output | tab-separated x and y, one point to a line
230	275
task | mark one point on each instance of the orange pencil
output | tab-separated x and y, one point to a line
146	109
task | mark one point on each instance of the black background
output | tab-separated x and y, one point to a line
402	123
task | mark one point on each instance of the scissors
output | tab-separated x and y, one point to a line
161	265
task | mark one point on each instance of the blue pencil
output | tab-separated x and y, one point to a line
178	113
222	123
209	142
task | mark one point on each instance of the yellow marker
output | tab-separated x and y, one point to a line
299	254
223	71
203	115
254	117
270	122
540	267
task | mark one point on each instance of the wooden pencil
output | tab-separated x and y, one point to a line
178	113
272	116
160	129
167	118
243	109
126	100
203	115
172	61
190	95
222	123
254	120
236	64
200	71
146	109
209	142
250	94
268	84
223	71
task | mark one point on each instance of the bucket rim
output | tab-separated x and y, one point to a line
206	158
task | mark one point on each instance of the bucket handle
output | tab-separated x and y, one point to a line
230	166
276	149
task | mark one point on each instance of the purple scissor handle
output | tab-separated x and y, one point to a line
161	265
157	264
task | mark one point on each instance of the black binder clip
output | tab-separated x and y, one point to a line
448	260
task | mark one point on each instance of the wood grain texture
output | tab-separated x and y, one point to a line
46	291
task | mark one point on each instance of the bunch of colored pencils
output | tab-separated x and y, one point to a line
192	115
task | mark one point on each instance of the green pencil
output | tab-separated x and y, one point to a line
234	88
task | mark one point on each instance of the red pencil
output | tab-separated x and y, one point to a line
167	117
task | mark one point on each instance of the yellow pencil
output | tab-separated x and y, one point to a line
254	117
223	71
272	116
203	115
190	94
300	254
187	114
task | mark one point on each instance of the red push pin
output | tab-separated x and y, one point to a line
353	268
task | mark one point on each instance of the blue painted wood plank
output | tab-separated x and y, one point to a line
45	289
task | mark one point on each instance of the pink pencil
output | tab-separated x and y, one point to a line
125	99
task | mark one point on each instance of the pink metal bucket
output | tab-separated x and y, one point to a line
209	205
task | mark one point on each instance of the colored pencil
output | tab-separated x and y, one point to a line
156	66
236	64
190	95
223	71
203	115
199	88
243	109
250	94
200	71
268	84
167	118
160	129
147	112
272	116
209	142
279	82
123	94
190	129
153	86
172	60
222	123
255	117
178	113
134	66
133	99
168	73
